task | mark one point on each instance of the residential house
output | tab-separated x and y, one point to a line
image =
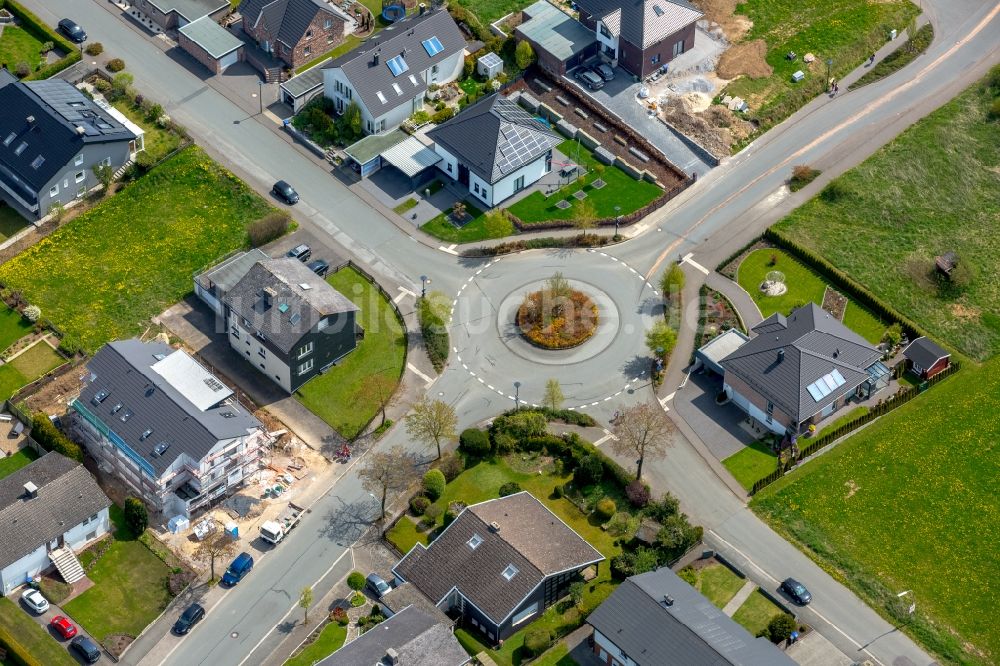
799	369
560	42
926	358
170	14
641	36
404	596
411	637
499	564
657	619
293	31
51	138
48	509
213	285
494	148
165	426
388	75
289	322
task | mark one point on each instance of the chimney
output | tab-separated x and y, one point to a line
81	130
31	490
668	600
375	58
391	657
781	355
495	527
267	295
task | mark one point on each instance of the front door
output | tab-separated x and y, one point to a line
55	544
463	174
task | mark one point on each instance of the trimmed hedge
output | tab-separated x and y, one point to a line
474	442
434	483
16	653
45	433
434	330
41	31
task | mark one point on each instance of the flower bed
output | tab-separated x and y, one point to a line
557	321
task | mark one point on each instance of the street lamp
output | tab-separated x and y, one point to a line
517	395
424	281
618	218
260	95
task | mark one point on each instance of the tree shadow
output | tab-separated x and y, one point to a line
349	522
637	366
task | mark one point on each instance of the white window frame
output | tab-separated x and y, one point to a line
474	541
80	176
306	349
307	366
79	160
54	190
510	572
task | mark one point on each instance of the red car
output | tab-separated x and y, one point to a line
65	628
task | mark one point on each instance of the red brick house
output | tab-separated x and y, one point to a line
293	31
641	36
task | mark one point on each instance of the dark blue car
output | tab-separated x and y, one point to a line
240	567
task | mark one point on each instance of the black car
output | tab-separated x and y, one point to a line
300	252
72	30
190	617
320	267
86	648
797	591
285	192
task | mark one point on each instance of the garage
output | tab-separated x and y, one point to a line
210	44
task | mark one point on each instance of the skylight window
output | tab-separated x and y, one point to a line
395	86
283	308
160	449
37	162
145	435
381	97
510	572
658	10
475	541
20	148
432	46
10	138
126	415
397	65
826	384
413	80
116	408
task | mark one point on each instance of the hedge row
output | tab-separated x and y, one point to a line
50	438
434	330
41	30
579	240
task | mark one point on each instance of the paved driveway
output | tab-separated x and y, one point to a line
717	425
46	617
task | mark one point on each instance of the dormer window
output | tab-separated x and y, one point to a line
510	572
475	541
126	415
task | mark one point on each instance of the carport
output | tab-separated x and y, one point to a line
712	352
411	157
366	154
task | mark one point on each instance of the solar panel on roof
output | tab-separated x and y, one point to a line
432	46
397	65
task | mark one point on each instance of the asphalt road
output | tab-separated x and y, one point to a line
732	203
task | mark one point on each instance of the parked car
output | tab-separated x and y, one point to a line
604	71
319	267
34	600
378	586
238	570
190	617
300	252
589	79
87	649
796	590
72	30
285	192
65	628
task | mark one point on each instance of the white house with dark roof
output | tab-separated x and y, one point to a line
48	509
499	564
388	75
163	424
494	148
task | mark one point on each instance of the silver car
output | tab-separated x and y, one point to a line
604	71
589	79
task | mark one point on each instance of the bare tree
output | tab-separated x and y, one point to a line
553	397
379	389
386	472
215	545
432	421
642	430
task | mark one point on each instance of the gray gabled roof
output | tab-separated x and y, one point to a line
555	31
191	10
644	22
405	38
172	398
67	495
690	631
530	537
812	344
495	137
299	299
305	82
210	36
925	352
417	636
286	20
223	276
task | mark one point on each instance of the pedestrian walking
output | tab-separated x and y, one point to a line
836	88
871	59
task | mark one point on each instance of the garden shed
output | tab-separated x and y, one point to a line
926	358
489	65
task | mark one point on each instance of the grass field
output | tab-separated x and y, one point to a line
622	190
557	656
909	503
716	581
756	612
147	240
932	189
751	463
18	45
157	141
804	286
335	395
36	641
489	11
13	327
330	639
16	461
11	222
846	31
27	367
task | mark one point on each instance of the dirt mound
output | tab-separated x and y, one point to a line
746	59
699	127
722	13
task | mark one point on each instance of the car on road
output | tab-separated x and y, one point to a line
604	71
238	570
87	649
320	267
190	617
285	192
796	590
34	600
300	252
378	586
62	625
589	79
72	30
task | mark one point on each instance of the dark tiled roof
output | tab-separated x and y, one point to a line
644	22
295	309
405	37
813	345
164	404
191	10
67	494
690	631
531	538
286	20
418	638
494	137
407	594
924	352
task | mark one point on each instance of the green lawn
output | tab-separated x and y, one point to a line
933	189
756	612
130	587
27	367
846	31
13	327
147	240
18	45
157	141
36	641
622	190
751	463
334	396
910	503
16	461
330	639
804	286
717	582
488	11
557	656
11	222
844	419
405	206
473	230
